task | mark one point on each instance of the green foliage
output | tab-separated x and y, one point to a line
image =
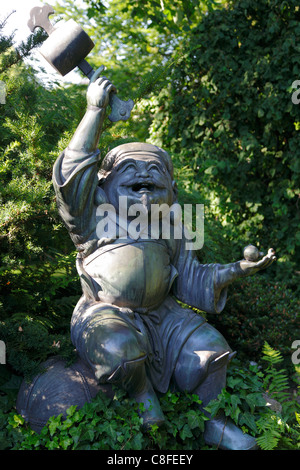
137	42
279	430
9	387
36	305
10	55
242	400
246	400
115	424
228	115
276	382
259	310
35	125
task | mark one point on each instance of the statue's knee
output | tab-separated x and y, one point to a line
202	353
110	343
112	338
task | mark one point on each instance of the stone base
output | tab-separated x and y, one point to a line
54	391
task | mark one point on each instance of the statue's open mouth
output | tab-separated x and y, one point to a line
142	187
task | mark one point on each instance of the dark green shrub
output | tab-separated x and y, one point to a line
228	115
36	305
259	310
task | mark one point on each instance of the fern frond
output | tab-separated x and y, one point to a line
277	381
268	440
271	355
271	428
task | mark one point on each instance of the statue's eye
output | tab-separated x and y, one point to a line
158	168
126	167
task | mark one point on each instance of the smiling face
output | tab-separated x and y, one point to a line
142	180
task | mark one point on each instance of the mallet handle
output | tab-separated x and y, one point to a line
86	68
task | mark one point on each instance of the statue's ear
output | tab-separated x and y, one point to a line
175	190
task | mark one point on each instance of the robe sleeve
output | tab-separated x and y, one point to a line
76	187
202	286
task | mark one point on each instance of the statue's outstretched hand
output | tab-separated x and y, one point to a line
99	90
251	267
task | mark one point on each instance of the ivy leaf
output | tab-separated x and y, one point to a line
185	432
213	407
248	419
70	411
235	401
54	423
88	435
254	400
66	442
75	432
110	430
195	420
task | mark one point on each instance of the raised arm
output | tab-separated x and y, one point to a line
86	137
75	177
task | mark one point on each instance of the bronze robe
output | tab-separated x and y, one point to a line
137	279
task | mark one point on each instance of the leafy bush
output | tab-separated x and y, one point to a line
35	122
115	424
34	130
245	397
228	115
36	305
259	310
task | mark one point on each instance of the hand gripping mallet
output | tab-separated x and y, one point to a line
66	48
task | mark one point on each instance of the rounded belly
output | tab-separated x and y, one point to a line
136	275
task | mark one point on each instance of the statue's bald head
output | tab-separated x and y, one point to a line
137	150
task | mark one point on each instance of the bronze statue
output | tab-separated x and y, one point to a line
128	326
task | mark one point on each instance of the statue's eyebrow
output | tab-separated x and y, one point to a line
158	164
125	162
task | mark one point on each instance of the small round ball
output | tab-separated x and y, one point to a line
251	253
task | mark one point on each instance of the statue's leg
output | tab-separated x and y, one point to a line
201	369
203	348
117	352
